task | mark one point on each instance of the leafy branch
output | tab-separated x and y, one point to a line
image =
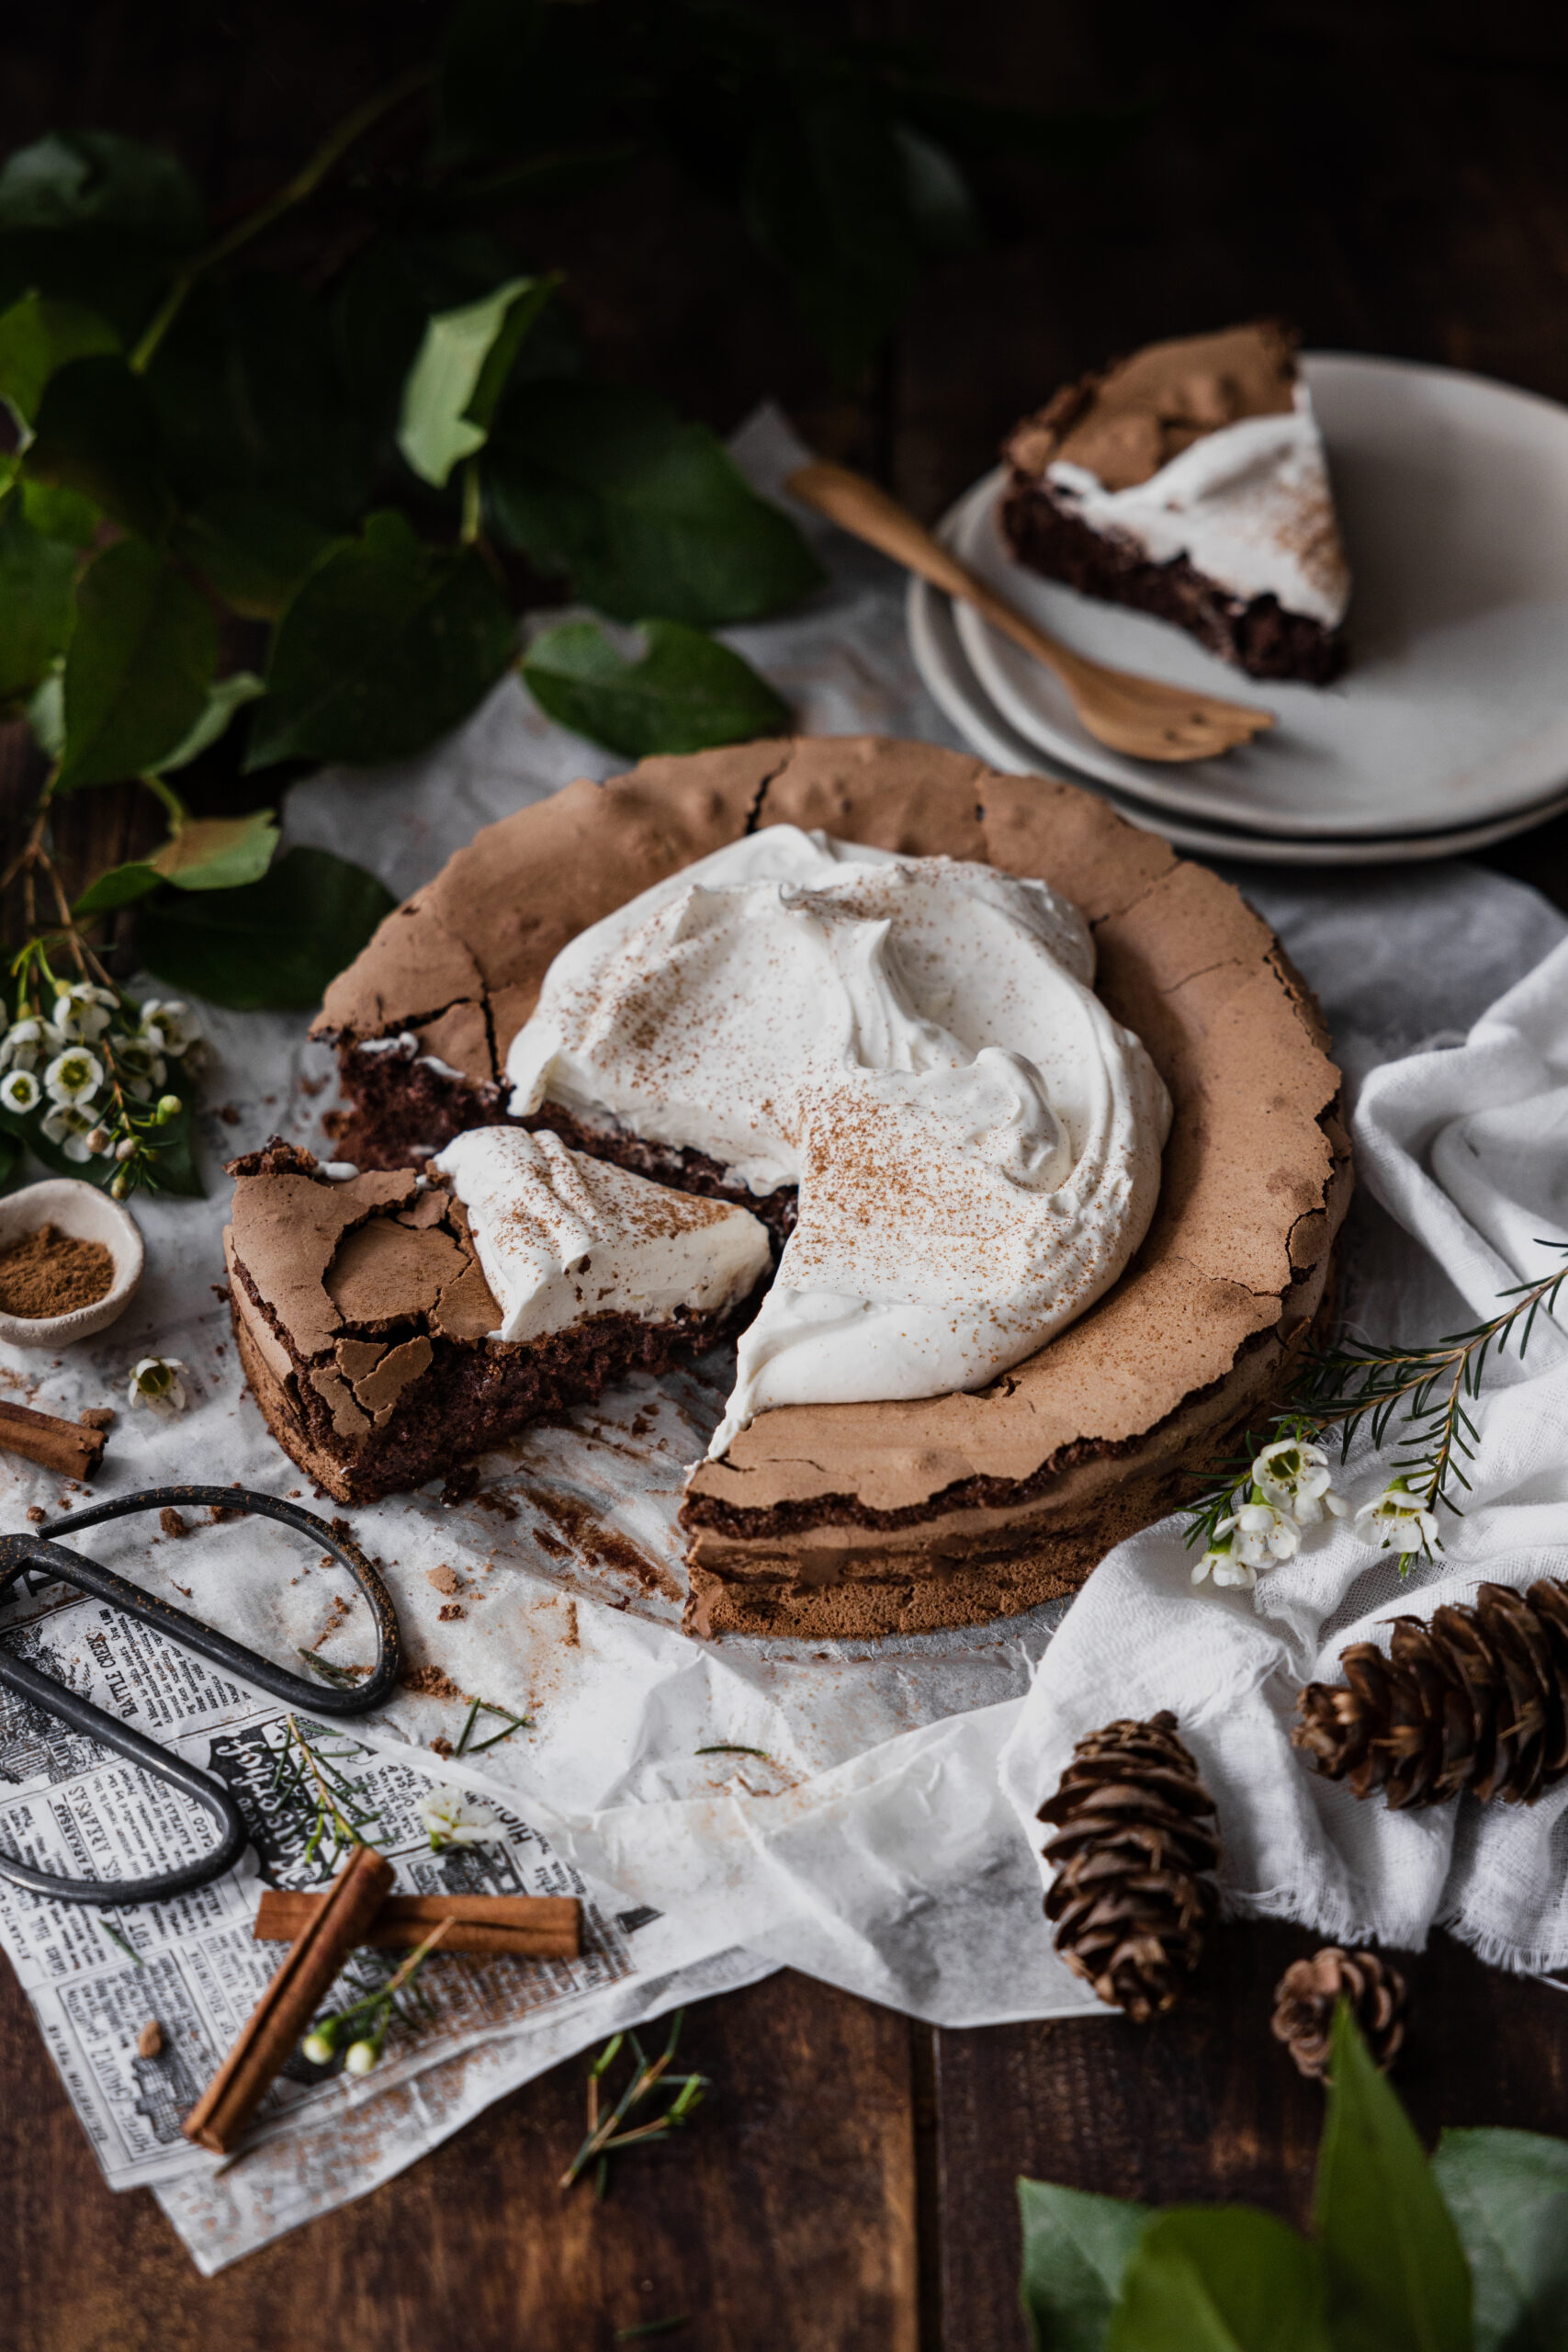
370	2018
609	2133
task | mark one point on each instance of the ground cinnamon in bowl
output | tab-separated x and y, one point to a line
50	1272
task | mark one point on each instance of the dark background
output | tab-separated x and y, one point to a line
1393	178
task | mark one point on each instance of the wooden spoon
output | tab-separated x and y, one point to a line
1140	715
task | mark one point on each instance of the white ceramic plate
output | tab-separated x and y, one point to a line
1453	497
944	666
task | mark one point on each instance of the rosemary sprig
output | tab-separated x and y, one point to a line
608	2134
1339	1389
310	1782
732	1748
341	1676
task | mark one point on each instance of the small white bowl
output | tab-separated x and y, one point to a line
86	1215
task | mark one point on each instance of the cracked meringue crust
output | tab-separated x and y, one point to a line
856	1521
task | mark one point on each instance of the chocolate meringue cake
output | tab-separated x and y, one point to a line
930	1026
1191	482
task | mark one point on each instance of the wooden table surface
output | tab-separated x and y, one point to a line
1393	177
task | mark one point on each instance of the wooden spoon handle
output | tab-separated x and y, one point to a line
868	513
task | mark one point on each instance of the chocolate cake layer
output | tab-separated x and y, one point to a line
828	1519
1258	635
363	1323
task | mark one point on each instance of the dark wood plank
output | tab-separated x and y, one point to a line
792	2193
1203	2104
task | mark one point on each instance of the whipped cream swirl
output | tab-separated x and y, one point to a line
1248	505
915	1043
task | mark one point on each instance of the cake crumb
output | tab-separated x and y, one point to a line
429	1682
450	1609
37	1515
150	2041
171	1522
441	1745
97	1417
445	1579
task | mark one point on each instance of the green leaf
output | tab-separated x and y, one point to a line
38	581
1220	2278
450	396
204	853
391	292
140	664
1508	2194
252	393
218	852
224	697
827	200
275	944
1076	2248
254	549
92	179
36	337
687	692
387	646
46	712
60	513
644	514
1397	2276
118	886
88	217
98	433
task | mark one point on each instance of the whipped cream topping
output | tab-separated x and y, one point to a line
561	1238
1248	505
915	1043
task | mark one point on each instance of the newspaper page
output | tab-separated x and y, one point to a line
98	1974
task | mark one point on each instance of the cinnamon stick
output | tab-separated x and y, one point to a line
71	1449
290	2001
528	1927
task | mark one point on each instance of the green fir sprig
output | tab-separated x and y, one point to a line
369	2020
611	2133
1427	1391
310	1784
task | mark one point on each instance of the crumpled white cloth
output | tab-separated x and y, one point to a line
1466	1145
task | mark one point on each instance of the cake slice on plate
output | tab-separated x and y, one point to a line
390	1327
1190	480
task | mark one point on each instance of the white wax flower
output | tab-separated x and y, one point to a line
1294	1475
1398	1521
82	1010
69	1125
23	1042
19	1090
1220	1562
157	1384
168	1027
452	1819
73	1076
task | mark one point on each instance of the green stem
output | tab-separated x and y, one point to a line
295	191
178	813
471	528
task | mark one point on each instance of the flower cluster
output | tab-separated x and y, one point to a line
93	1067
156	1382
449	1818
1287	1489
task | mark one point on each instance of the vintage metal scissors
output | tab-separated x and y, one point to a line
39	1554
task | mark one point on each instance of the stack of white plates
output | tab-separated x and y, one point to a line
1449	731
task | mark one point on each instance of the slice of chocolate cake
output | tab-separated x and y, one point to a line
1190	480
390	1327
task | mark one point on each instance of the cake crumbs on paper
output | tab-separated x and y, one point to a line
170	1521
429	1682
150	2041
444	1578
450	1609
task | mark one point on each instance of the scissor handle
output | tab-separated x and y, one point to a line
37	1550
70	1707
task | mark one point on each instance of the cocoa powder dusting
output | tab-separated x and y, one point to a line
50	1272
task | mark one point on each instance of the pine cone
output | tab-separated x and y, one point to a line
1477	1699
1304	2002
1131	1906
